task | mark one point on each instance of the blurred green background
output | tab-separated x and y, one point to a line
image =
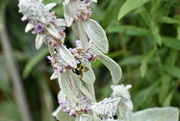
145	43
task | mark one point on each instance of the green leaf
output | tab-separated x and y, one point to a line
166	79
146	94
4	77
130	5
156	34
132	60
157	114
143	68
9	111
129	30
167	101
174	71
169	20
171	42
34	61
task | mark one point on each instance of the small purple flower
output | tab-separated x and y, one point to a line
68	67
78	42
85	111
90	57
86	99
38	28
58	71
65	110
50	58
89	12
112	96
54	45
74	115
87	106
61	103
84	18
78	62
86	1
34	32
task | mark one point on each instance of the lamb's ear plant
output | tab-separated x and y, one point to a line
72	66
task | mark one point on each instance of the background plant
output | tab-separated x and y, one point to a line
145	42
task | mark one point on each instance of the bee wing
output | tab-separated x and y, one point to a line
85	69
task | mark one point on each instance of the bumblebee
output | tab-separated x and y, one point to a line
80	69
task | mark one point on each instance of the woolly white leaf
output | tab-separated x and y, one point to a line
50	6
86	117
96	34
93	0
86	92
113	67
52	30
39	40
61	96
24	18
61	22
67	56
54	76
115	101
62	116
125	114
40	1
82	35
68	13
129	104
88	76
56	111
51	50
64	83
75	28
29	27
66	1
79	31
42	19
157	114
80	86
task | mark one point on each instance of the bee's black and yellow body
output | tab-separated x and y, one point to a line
80	69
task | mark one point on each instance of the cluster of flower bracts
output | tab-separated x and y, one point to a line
72	66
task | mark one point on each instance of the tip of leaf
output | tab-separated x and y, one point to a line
119	17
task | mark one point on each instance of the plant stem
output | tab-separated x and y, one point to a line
13	70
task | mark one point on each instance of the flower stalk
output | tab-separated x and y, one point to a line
72	66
